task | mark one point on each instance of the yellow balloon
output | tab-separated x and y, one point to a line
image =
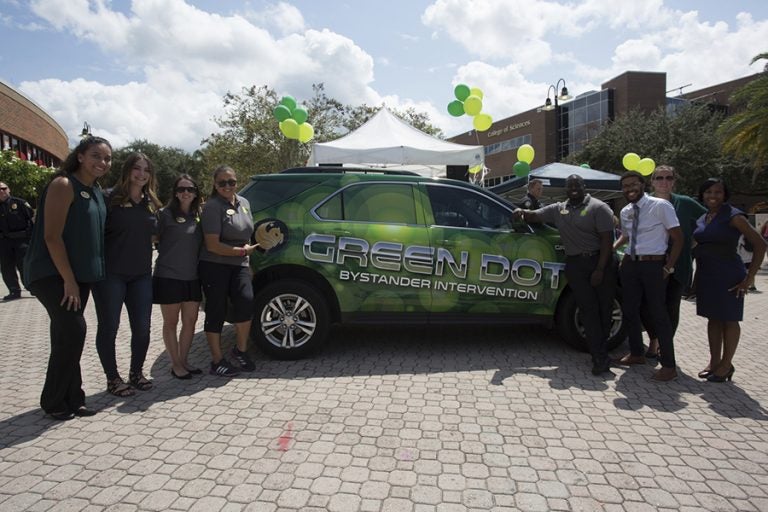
630	161
290	128
476	169
525	153
482	122
646	166
306	132
475	91
473	105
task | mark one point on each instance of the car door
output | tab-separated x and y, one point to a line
484	264
371	240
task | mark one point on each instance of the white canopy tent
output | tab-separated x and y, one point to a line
388	141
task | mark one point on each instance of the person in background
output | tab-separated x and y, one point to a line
224	273
531	201
722	281
687	210
175	285
586	229
16	222
654	242
745	248
131	221
65	258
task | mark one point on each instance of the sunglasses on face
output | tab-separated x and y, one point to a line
226	183
3	188
191	190
659	178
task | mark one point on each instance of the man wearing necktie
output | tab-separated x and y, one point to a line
655	242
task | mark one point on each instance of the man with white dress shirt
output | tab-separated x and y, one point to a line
654	243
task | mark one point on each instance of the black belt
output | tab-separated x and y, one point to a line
646	257
583	254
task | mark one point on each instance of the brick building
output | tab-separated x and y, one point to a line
570	124
29	130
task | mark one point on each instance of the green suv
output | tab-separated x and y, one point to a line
354	245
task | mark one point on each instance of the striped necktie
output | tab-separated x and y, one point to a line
633	238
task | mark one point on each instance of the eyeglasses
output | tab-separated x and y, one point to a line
659	178
191	190
226	183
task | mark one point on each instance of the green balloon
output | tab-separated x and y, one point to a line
300	114
281	113
521	168
586	166
461	92
456	108
289	102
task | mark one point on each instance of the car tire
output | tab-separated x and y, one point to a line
570	328
283	332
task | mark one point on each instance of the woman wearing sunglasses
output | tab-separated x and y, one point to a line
175	285
688	210
224	273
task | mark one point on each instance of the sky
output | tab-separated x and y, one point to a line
159	69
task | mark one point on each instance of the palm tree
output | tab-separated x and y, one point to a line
745	133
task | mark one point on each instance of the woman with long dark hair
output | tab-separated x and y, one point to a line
227	228
722	282
65	258
175	285
130	226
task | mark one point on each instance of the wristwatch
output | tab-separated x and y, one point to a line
670	270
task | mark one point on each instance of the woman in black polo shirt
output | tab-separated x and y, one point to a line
65	257
224	273
131	221
175	285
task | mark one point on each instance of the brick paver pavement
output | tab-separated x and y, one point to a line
394	419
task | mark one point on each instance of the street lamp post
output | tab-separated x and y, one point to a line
563	96
86	132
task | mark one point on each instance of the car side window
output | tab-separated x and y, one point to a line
457	207
389	203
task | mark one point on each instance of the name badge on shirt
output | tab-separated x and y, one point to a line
14	206
181	220
230	211
564	211
84	194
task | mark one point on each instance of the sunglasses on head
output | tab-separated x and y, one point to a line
659	178
226	183
191	190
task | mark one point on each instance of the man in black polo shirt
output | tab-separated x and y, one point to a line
15	231
531	201
586	230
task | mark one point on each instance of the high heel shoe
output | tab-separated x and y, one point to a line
703	374
713	377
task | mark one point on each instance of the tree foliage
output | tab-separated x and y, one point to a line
25	179
687	139
745	133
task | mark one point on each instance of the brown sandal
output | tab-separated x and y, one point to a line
118	387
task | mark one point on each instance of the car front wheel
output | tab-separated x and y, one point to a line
291	319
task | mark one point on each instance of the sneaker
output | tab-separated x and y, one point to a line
223	369
243	361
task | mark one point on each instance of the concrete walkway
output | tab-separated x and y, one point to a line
392	419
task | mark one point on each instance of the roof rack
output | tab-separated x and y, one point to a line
345	170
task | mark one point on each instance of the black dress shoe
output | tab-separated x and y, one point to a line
602	368
12	296
195	371
84	411
186	376
62	416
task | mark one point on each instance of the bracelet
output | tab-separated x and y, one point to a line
243	252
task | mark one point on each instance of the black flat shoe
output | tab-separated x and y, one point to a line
195	371
62	416
186	376
83	412
703	374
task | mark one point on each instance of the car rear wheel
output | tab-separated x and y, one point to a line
571	328
290	320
